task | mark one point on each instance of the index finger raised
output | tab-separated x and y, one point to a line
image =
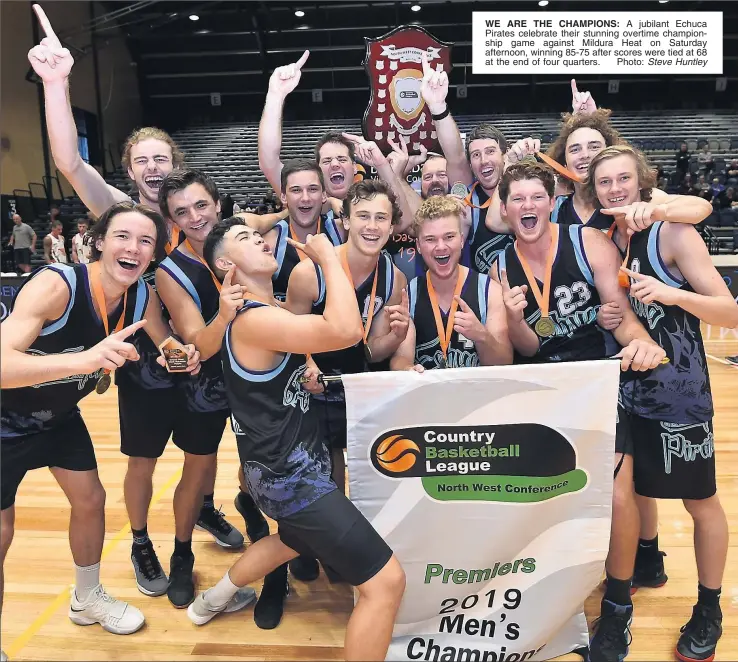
228	277
129	330
302	60
503	279
632	274
46	24
574	89
426	65
353	138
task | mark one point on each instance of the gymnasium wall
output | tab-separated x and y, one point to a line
19	105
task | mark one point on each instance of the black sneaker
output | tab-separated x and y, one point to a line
732	359
700	635
150	577
212	520
181	591
256	526
270	607
612	636
304	568
649	572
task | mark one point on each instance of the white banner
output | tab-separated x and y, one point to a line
493	487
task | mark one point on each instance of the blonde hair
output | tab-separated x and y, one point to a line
438	206
646	176
151	132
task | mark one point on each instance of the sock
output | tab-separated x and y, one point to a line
86	578
247	502
222	592
708	597
183	548
649	549
140	536
207	501
618	590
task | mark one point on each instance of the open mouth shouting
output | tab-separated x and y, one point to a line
528	221
371	239
153	181
266	249
437	189
337	179
442	259
128	263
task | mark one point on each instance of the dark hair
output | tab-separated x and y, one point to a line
368	189
84	220
178	180
486	131
527	169
214	240
300	165
100	229
599	120
56	224
333	137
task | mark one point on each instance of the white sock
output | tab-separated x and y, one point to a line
86	579
222	592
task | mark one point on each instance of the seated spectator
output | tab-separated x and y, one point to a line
702	188
706	160
686	187
682	159
732	173
717	188
726	199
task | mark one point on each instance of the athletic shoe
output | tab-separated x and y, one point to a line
256	526
612	636
150	577
304	568
100	607
3	657
201	611
732	359
212	520
268	610
700	635
181	591
649	573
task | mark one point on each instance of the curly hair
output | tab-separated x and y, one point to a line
646	176
527	169
368	189
599	120
147	133
437	206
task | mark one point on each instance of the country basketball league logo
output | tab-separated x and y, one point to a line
396	454
396	108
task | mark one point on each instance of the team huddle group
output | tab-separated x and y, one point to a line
510	270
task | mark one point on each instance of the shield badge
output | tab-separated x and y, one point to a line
396	107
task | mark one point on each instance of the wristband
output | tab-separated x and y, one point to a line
442	115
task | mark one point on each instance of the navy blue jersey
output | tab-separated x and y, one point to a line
565	214
33	409
483	244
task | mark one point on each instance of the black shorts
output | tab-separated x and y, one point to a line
22	256
67	446
672	460
332	416
623	438
333	530
148	418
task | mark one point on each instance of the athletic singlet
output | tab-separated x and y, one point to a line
353	359
280	446
83	252
565	214
483	244
33	409
679	391
57	252
204	391
461	351
287	256
574	302
147	373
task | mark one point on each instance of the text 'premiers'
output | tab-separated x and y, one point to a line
574	43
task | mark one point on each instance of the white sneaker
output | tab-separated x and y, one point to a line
115	616
201	611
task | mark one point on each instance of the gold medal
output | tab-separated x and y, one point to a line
103	384
544	327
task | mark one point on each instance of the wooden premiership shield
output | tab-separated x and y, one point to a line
396	107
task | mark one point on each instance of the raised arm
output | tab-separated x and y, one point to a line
689	209
302	290
282	82
263	223
53	63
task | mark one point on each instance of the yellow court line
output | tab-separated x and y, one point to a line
64	596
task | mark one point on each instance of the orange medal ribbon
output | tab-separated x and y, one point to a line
544	326
562	170
93	272
300	253
188	246
444	336
174	240
468	199
370	312
623	279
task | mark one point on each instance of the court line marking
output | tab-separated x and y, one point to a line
41	620
723	361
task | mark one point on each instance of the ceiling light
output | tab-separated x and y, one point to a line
299	13
542	3
194	17
303	27
663	2
203	32
415	8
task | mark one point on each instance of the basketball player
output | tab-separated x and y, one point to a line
279	437
457	315
673	285
370	212
579	266
80	251
54	251
60	342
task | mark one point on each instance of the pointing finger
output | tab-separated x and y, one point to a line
462	304
129	330
632	274
574	90
46	25
302	60
426	66
228	278
353	138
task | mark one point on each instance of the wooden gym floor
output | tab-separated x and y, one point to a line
39	572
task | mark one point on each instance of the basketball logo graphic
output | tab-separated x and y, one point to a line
396	454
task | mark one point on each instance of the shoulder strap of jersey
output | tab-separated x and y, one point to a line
331	228
138	310
69	274
389	274
412	296
575	235
482	293
182	279
555	213
321	284
283	230
654	256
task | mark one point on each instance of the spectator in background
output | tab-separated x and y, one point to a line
54	251
726	199
54	213
682	160
81	252
23	241
717	188
705	159
702	188
226	206
686	187
732	173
